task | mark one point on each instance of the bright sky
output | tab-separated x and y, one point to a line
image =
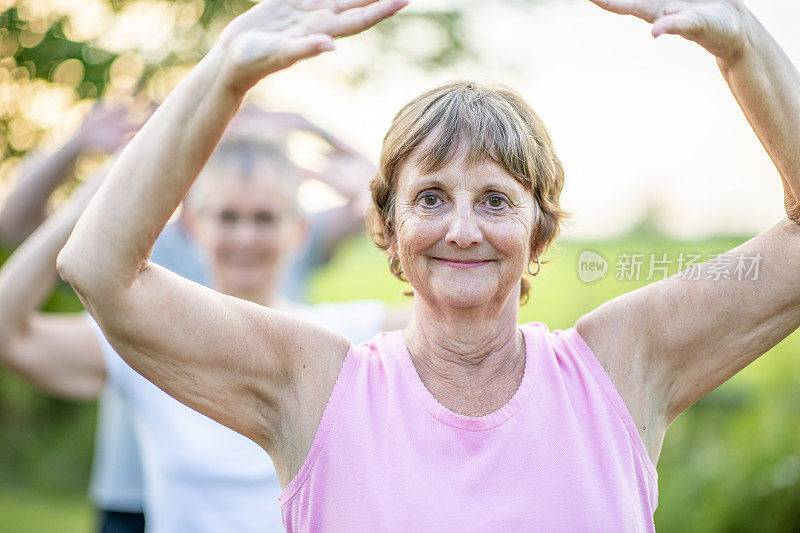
638	122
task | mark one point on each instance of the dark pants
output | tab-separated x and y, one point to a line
119	522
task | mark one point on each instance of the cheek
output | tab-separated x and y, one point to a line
512	239
208	240
290	238
416	234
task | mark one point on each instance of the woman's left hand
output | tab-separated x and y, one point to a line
719	26
274	34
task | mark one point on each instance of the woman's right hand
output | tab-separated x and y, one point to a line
275	34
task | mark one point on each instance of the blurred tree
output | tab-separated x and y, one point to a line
68	52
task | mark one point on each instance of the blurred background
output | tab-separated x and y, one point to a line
659	160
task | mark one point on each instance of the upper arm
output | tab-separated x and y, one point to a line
673	342
59	354
237	362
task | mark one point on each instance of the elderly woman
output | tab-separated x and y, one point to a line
463	421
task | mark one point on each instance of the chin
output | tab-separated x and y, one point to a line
463	295
245	280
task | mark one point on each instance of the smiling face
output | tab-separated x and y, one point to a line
489	164
463	232
247	224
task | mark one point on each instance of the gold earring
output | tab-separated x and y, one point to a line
396	268
539	266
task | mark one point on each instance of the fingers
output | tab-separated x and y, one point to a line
293	50
684	23
253	49
358	19
340	6
637	8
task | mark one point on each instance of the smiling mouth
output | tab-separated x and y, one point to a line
462	263
244	262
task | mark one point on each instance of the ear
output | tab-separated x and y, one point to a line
378	232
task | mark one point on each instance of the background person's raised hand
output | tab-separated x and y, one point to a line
109	128
719	26
275	34
106	129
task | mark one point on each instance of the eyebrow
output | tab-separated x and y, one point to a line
491	185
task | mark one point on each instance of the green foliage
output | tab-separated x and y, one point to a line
37	41
44	56
45	511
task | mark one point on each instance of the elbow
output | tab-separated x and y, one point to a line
66	265
91	276
73	267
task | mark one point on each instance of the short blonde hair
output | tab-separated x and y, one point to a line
491	122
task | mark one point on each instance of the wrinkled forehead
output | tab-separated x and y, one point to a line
248	185
455	163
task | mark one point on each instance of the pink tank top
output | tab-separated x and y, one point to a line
562	455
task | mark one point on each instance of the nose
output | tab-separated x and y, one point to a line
463	230
245	232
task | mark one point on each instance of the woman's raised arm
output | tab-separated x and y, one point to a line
225	357
669	344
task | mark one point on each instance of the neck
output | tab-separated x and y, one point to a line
471	360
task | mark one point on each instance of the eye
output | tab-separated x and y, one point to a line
429	200
263	219
496	201
228	218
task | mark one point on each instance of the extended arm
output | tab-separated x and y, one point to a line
767	86
25	207
230	359
55	352
670	343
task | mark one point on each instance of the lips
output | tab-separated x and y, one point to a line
462	263
244	262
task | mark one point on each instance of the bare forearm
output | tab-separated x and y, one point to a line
25	207
767	87
113	238
29	275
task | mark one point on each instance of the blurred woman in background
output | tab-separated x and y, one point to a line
198	475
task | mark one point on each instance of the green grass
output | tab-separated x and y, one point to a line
26	511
